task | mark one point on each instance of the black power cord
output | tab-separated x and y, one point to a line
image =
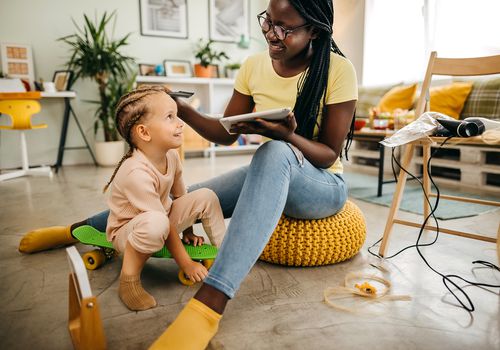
447	279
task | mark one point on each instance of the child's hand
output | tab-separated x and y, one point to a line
195	271
191	238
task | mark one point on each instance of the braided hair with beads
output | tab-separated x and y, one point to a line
130	109
311	89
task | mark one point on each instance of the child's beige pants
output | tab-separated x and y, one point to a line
148	231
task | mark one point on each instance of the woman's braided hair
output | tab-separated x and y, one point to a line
311	89
130	109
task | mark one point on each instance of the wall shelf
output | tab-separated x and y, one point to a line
214	95
193	81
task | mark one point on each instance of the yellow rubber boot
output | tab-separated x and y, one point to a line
191	330
46	238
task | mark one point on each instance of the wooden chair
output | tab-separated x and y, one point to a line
84	323
21	106
449	67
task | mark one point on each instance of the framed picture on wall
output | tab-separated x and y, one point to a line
166	18
17	62
229	20
147	69
62	79
177	68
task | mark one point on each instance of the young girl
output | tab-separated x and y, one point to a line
143	216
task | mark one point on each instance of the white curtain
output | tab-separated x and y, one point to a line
463	28
400	34
394	41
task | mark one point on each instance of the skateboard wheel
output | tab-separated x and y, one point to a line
208	263
94	259
184	280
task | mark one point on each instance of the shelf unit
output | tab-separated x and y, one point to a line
364	156
469	166
214	95
465	165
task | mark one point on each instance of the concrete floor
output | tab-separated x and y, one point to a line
276	308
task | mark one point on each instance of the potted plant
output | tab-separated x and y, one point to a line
109	153
207	56
232	70
96	56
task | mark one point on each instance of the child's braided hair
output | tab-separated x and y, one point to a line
129	110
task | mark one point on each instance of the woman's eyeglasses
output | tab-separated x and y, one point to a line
280	32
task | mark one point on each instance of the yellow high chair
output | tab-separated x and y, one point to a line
20	106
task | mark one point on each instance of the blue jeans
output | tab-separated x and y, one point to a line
254	197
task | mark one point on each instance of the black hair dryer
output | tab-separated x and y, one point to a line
460	128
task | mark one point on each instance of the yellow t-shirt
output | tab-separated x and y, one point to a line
258	79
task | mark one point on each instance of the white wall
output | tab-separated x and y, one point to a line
40	23
348	31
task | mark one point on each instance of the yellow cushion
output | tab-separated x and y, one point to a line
398	97
450	99
297	242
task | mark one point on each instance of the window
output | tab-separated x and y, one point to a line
400	34
463	28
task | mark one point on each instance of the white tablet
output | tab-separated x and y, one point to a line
270	114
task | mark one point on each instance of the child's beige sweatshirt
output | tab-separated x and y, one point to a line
138	187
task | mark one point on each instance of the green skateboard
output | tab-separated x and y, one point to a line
90	236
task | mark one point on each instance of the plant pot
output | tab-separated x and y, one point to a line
232	73
205	72
109	153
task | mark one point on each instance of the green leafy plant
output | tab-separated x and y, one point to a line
231	69
208	55
115	88
96	56
233	66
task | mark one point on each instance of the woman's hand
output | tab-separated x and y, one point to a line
195	271
191	238
276	130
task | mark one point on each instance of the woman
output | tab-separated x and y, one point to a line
297	173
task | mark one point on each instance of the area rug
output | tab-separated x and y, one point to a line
364	187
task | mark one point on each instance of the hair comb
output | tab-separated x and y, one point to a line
185	94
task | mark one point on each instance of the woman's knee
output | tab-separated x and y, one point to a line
274	147
273	151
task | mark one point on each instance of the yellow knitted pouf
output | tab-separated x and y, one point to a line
297	242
